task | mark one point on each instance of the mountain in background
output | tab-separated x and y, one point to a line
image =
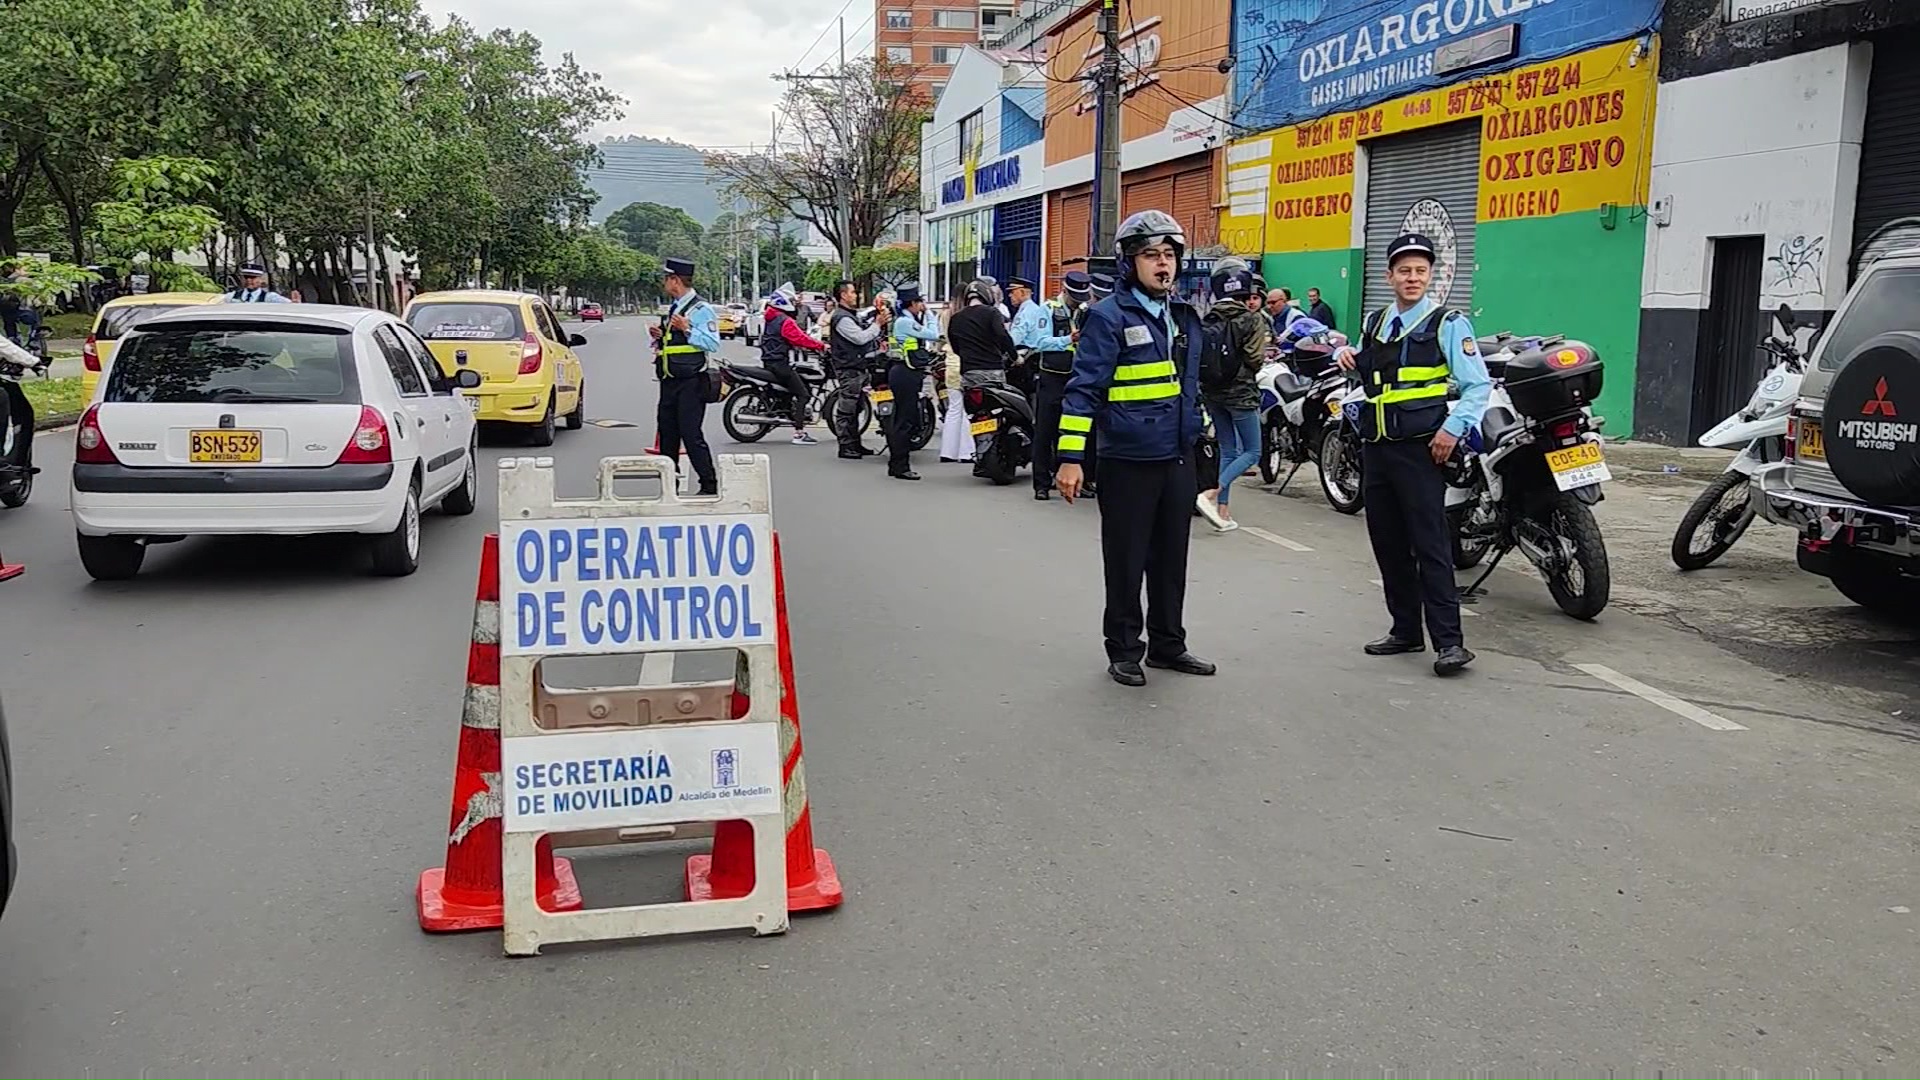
638	169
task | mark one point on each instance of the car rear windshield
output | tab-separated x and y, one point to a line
115	322
235	363
1887	299
467	322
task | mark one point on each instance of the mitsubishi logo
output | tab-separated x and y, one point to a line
1879	404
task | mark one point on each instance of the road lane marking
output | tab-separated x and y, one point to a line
1661	698
1274	538
1464	608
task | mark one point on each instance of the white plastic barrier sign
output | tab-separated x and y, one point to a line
600	779
629	584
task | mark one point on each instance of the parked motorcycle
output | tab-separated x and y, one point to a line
16	434
880	393
1526	476
756	402
1339	452
1298	386
1002	425
1721	513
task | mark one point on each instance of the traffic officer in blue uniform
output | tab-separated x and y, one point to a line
253	288
1136	380
1052	341
916	337
683	340
1408	353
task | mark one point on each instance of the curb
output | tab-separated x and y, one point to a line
49	423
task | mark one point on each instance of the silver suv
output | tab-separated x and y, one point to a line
1851	483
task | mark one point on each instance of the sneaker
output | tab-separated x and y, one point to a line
1229	525
1209	511
801	438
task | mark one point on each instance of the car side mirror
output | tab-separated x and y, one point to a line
466	379
574	341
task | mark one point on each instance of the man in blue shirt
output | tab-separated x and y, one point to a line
253	288
916	337
1049	337
684	340
1409	352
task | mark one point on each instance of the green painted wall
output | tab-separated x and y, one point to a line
1568	275
1335	273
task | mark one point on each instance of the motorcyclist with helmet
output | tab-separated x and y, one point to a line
781	335
978	336
1136	377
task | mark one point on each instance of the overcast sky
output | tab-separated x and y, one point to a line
694	72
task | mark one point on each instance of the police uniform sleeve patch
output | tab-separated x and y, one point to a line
1469	346
1138	335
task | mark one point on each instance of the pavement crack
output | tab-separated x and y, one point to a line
1470	832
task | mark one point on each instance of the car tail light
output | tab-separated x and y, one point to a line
1790	451
974	397
90	446
90	354
530	354
370	444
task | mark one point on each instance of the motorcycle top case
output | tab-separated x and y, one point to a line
1554	380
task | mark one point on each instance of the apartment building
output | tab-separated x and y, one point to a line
928	36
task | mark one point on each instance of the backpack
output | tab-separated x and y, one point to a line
1220	362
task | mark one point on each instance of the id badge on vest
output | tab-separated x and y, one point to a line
1137	336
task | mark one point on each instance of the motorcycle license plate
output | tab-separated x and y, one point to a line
986	427
1812	441
881	395
224	446
1578	466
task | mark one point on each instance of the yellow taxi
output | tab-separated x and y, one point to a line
118	316
729	321
529	373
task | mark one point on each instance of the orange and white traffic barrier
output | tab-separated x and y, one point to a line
613	575
812	882
465	892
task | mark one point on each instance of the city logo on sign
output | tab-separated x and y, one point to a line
1431	220
1139	56
984	180
726	765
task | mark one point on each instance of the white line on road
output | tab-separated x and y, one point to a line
1661	698
1274	538
1464	609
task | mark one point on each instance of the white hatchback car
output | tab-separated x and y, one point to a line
251	419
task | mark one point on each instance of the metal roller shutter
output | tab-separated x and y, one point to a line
1886	213
1146	195
1067	232
1428	182
1193	206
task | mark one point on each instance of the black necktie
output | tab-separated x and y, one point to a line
1393	328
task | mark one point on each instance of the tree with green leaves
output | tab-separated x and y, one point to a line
156	211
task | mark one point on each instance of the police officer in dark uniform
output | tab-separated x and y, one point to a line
1408	353
915	336
1136	375
682	340
1054	366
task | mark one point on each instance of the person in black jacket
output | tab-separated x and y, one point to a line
850	341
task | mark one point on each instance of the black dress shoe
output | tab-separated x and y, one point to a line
1394	646
713	492
868	451
1041	494
908	475
1186	664
1452	660
1127	673
851	455
1089	491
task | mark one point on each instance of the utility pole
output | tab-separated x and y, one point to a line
779	225
757	294
846	197
373	292
1106	180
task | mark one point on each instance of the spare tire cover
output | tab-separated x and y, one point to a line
1871	420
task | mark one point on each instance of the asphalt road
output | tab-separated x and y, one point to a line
231	770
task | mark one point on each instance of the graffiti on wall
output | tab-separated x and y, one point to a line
1794	269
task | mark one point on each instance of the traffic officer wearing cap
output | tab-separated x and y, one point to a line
1408	352
1053	346
683	340
1136	377
916	339
253	288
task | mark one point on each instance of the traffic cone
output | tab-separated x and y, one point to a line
466	893
812	882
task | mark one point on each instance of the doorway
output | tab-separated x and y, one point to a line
1728	361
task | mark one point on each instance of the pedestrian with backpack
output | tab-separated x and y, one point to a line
1235	346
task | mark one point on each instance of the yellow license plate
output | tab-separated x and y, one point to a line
1812	441
1573	457
881	395
223	446
982	427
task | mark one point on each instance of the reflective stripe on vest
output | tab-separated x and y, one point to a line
1410	383
674	342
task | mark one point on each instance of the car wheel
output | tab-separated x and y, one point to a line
461	500
397	554
111	558
577	419
542	434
